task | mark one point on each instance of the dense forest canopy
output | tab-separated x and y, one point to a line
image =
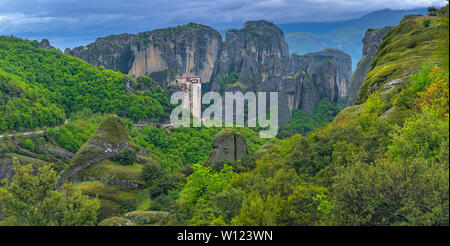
42	87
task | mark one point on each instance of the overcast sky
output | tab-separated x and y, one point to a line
69	23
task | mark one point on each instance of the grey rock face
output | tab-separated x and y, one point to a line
228	145
45	44
371	42
340	61
113	52
59	152
257	56
161	54
109	140
257	52
312	77
7	165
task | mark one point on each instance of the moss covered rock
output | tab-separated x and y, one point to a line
402	52
116	221
7	166
111	173
146	217
97	171
228	145
109	141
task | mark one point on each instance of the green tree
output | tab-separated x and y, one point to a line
126	157
151	172
28	144
205	182
31	199
409	186
421	79
432	11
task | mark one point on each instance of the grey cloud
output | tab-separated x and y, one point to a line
66	22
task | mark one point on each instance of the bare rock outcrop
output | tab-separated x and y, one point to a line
228	145
45	44
257	57
110	139
254	58
371	41
161	54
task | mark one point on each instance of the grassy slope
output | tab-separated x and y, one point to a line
403	51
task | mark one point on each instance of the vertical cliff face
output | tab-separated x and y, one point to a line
113	52
187	49
254	58
340	61
371	41
161	54
255	53
312	77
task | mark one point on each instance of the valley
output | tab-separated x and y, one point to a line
86	133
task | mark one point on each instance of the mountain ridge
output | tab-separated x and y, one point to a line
346	35
254	58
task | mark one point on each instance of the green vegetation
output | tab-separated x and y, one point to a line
77	131
32	200
126	157
382	162
200	187
300	123
31	78
151	172
407	186
403	50
231	79
176	148
22	106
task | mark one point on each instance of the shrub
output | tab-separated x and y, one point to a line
421	79
162	187
126	157
127	207
28	144
151	172
32	200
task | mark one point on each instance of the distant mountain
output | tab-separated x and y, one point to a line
345	35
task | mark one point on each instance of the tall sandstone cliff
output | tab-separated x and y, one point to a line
255	58
371	42
258	56
161	54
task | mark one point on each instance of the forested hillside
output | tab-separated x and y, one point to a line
42	87
382	161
